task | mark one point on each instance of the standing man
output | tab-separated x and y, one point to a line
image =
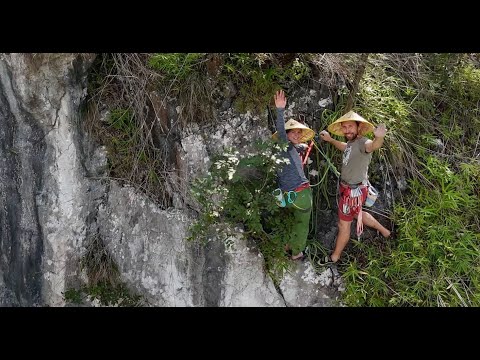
357	154
293	184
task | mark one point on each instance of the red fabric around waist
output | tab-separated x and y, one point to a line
347	185
302	187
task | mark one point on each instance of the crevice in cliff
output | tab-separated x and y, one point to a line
280	292
213	272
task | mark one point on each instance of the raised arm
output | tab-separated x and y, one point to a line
280	102
379	133
338	144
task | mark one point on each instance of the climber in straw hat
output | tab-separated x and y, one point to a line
357	154
306	134
294	190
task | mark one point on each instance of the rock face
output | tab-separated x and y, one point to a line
55	196
154	258
43	183
305	287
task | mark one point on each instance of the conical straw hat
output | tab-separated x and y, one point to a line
364	128
307	133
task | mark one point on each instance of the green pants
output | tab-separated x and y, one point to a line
302	209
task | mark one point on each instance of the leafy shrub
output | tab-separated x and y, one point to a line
176	66
236	200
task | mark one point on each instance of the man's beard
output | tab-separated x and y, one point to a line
354	136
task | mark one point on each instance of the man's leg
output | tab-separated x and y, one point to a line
302	213
370	221
342	238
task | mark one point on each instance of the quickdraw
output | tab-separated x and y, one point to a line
291	196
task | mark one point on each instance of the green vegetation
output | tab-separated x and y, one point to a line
258	76
139	134
176	66
116	115
104	282
429	103
434	261
237	201
106	295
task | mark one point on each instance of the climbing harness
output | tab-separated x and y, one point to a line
352	200
290	196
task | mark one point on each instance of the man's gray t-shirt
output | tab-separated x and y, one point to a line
355	162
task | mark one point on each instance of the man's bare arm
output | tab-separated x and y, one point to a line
338	144
379	133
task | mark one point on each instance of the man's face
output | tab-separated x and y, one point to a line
350	129
294	136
